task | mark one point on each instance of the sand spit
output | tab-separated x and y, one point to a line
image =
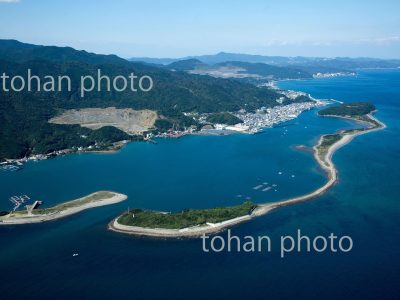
325	163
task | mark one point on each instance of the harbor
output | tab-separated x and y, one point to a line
17	201
10	168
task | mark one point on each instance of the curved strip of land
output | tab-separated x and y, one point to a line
323	153
62	210
325	162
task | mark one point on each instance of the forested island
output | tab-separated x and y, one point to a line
358	111
185	218
355	109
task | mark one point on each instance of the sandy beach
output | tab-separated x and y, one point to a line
194	231
326	164
111	198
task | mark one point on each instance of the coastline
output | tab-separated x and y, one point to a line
194	231
325	163
330	169
255	126
71	207
114	148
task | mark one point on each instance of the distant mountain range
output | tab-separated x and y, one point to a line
256	73
256	68
336	63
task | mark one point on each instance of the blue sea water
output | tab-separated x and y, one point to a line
205	171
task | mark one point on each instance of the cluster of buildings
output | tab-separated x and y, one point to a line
293	95
10	163
253	122
171	133
337	74
267	117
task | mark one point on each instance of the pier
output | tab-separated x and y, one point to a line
17	201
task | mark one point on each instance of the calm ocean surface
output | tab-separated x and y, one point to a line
198	172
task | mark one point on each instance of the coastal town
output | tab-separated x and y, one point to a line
254	122
251	123
336	74
12	165
267	117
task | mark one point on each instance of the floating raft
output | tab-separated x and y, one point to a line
10	168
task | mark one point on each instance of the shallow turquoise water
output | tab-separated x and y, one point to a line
194	171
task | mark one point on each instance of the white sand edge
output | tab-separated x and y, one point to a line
261	209
29	219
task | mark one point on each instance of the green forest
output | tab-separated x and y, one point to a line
24	115
223	118
348	109
185	218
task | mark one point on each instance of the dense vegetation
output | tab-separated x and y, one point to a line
223	118
15	51
348	109
186	65
186	218
330	139
24	115
357	111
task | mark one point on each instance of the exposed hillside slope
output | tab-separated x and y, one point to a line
24	116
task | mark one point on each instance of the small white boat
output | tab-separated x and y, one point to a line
258	187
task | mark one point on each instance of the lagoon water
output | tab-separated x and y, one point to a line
206	171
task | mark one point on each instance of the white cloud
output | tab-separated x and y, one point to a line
275	42
9	1
374	41
381	40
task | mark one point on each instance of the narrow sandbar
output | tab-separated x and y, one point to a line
323	157
100	198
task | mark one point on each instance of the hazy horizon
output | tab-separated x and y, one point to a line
258	54
177	29
205	54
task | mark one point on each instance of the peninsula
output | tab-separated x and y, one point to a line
194	223
38	215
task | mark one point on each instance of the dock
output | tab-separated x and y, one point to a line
17	201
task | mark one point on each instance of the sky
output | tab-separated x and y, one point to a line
178	28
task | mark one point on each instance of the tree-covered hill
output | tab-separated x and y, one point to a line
186	65
348	109
16	51
24	116
223	118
